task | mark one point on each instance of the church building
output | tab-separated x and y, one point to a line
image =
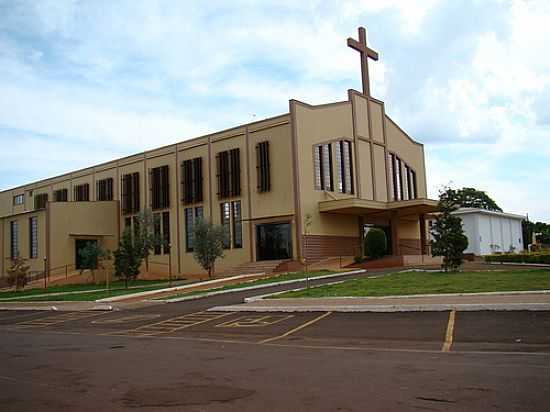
306	184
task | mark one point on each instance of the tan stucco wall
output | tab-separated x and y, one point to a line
314	125
80	220
36	264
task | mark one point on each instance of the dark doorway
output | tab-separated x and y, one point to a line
273	241
81	244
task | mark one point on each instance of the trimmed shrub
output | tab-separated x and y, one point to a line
376	243
543	258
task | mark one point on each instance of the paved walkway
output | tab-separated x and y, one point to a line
443	302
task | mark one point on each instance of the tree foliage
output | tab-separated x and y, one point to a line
128	257
90	256
208	244
470	197
144	234
540	229
17	273
449	240
376	243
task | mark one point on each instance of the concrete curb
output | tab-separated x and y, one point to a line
433	295
59	308
266	285
388	308
540	265
175	288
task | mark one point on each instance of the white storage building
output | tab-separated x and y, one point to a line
489	232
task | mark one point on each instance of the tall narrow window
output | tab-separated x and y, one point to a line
237	224
399	173
189	228
130	193
104	189
166	232
14	239
226	223
323	167
413	187
191	180
40	201
60	195
33	237
82	193
228	173
159	187
262	167
344	166
406	183
157	232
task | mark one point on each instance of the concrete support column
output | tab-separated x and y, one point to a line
423	243
394	222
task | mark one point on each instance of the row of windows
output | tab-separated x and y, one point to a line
403	185
33	238
228	177
323	167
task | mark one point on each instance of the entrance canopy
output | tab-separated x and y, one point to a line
364	207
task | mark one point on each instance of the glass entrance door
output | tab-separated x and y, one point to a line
273	241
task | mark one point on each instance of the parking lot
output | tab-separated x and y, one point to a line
518	331
184	357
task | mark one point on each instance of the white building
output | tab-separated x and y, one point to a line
490	232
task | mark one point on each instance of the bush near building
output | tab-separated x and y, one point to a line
376	243
543	258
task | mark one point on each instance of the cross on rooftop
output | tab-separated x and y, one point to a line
365	52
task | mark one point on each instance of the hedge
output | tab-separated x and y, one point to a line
520	258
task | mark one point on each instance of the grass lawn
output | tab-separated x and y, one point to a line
257	282
413	283
89	296
137	285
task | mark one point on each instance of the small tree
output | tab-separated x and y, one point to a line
144	234
90	255
128	257
449	240
17	273
376	243
208	240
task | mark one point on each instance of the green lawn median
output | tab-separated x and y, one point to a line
415	283
251	283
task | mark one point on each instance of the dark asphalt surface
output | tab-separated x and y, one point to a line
177	357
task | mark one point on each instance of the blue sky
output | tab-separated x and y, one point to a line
83	82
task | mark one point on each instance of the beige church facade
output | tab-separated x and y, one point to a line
303	185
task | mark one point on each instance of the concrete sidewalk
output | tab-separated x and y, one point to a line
71	306
537	300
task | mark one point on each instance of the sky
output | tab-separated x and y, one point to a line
83	82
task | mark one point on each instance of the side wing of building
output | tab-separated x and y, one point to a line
239	178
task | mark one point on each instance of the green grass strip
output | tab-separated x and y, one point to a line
414	283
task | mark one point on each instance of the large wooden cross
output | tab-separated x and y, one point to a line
365	52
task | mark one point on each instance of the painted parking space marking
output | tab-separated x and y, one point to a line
450	332
254	321
58	319
125	319
296	329
172	325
